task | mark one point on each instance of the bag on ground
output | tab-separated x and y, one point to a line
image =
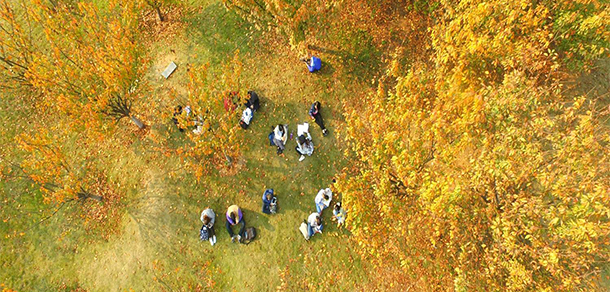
304	230
249	235
271	136
204	233
273	205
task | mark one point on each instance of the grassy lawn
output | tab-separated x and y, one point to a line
157	246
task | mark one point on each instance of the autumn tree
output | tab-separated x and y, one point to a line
63	172
212	128
89	65
156	5
478	172
16	46
288	18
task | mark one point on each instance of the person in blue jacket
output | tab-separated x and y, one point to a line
269	202
313	64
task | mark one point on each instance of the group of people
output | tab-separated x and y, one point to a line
196	121
278	137
235	219
234	216
313	224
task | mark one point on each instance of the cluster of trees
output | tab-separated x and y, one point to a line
472	168
215	102
79	69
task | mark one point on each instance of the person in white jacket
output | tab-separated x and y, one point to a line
323	199
208	218
304	143
280	137
314	224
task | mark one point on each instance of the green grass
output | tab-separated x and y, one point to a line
157	247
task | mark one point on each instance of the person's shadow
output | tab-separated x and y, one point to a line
257	219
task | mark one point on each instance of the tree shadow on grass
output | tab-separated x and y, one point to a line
218	32
362	62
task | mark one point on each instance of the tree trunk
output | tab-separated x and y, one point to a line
158	9
137	122
227	157
86	195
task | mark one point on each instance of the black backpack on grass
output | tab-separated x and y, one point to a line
204	233
249	235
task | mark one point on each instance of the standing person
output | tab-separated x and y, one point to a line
314	224
235	217
280	137
208	218
314	113
323	199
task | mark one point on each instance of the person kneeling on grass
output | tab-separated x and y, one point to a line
207	230
314	224
313	64
235	217
323	199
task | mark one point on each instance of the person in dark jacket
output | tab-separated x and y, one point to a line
314	113
253	101
269	202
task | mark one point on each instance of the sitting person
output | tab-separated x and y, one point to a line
313	64
280	137
314	113
235	217
269	202
246	117
314	224
177	113
252	101
304	143
192	121
208	218
339	214
252	104
323	199
198	125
